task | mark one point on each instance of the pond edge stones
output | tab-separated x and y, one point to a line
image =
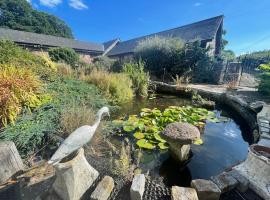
182	193
179	137
137	187
206	189
103	189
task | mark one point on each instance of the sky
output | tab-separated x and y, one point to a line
247	22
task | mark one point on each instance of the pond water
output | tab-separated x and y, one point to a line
225	144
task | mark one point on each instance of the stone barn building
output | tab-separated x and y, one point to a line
208	32
40	42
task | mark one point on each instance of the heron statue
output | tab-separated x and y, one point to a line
77	139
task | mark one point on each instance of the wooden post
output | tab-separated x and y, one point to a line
10	161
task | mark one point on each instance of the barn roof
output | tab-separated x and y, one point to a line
202	30
48	40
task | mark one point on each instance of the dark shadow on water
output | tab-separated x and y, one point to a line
175	174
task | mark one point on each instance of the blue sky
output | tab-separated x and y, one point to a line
247	21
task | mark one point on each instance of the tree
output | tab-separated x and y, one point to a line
19	15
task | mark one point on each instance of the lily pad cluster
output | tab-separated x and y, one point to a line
147	126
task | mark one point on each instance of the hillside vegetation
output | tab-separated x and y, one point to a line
19	15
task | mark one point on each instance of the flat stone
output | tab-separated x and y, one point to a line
137	187
206	189
261	120
181	133
243	181
103	189
225	182
265	125
264	129
181	193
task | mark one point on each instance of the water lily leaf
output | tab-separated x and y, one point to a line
143	143
163	146
198	142
138	135
158	138
129	128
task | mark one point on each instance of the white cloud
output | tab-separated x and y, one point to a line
50	3
197	4
77	4
29	1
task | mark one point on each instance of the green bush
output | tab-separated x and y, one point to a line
33	129
264	85
103	63
171	56
159	53
116	87
65	54
140	79
13	55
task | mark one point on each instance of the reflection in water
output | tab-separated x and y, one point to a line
223	146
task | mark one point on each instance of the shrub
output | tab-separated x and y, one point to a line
65	54
11	54
159	53
18	88
264	85
32	130
140	79
117	87
103	62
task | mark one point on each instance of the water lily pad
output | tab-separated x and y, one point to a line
198	142
129	128
143	143
163	146
138	135
158	138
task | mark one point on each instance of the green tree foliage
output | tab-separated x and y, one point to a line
228	55
253	60
67	55
264	85
19	15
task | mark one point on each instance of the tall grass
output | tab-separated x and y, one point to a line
140	79
116	87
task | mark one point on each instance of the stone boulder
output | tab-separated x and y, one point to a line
103	189
137	187
225	182
181	193
179	137
74	177
206	190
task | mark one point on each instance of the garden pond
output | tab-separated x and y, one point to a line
225	142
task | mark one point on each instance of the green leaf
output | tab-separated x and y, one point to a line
163	146
138	135
145	144
198	142
129	128
158	138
